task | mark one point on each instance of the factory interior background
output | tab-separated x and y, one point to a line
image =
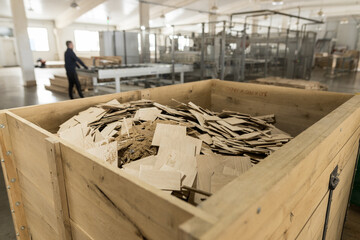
136	44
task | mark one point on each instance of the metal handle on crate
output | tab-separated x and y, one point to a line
333	183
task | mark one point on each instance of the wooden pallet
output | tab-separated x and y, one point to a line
65	193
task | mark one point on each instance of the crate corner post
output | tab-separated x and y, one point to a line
58	186
8	165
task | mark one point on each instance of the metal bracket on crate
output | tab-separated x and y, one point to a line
333	183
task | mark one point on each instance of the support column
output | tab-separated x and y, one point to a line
144	15
285	23
212	24
23	42
254	28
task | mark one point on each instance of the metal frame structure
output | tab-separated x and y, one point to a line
118	72
228	50
232	52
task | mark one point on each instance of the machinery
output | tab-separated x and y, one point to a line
130	71
225	50
239	51
120	43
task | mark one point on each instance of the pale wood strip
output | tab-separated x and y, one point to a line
12	180
59	191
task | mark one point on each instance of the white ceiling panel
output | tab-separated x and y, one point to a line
125	14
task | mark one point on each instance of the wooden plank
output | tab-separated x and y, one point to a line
142	210
206	138
340	201
147	114
215	171
163	130
38	228
108	153
42	208
322	141
315	225
59	191
314	228
234	121
164	180
29	141
78	233
11	178
290	227
294	83
104	221
196	92
179	153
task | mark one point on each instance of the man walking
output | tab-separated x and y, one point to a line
71	62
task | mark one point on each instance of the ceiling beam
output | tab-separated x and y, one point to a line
71	14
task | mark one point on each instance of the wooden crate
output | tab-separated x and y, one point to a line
58	191
294	83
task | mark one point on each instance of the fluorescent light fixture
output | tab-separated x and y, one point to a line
321	13
75	5
214	8
277	2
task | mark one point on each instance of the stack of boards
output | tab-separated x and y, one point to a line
102	61
187	151
293	83
60	84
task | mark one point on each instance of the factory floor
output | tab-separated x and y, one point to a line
13	94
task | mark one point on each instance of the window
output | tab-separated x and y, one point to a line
39	41
86	41
183	42
6	32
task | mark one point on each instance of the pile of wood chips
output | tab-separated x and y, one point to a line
186	150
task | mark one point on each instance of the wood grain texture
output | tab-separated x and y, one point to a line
30	151
120	204
11	178
292	225
282	195
59	191
295	109
296	170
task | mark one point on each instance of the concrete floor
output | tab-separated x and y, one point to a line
13	94
348	83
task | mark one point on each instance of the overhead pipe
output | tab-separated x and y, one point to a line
271	12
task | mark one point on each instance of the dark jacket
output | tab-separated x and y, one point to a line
71	61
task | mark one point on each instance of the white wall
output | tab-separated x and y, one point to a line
68	34
52	54
58	37
345	34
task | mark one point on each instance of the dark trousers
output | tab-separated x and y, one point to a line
74	80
